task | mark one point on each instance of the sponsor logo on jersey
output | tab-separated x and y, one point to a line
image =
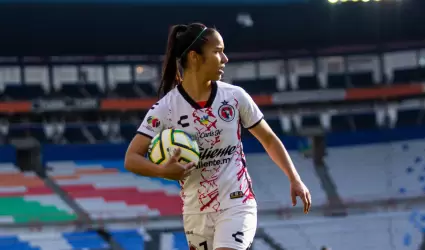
153	121
210	153
210	133
226	112
216	156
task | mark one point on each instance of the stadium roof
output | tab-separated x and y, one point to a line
59	29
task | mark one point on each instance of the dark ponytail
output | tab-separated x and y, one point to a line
170	69
181	40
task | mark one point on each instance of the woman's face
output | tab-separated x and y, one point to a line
213	59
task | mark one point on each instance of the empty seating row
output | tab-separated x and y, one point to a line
78	240
409	75
69	133
131	239
89	132
378	171
307	82
76	90
17	91
267	178
25	198
105	189
371	231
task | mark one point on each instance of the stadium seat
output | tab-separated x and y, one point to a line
96	132
128	130
128	239
127	90
337	81
23	92
341	123
399	166
267	178
147	88
75	134
410	117
365	121
92	90
87	240
24	130
406	75
376	231
361	79
25	198
310	121
73	90
258	86
308	83
105	189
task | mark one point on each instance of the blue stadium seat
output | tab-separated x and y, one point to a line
13	243
85	240
180	242
89	240
129	239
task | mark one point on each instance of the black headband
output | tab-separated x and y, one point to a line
194	41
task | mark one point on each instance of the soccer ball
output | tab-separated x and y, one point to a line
164	144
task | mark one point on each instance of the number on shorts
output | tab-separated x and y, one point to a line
204	244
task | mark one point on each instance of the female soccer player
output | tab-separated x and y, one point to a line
219	206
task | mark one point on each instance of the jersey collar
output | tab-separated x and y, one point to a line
192	102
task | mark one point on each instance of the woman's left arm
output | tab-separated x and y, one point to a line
278	153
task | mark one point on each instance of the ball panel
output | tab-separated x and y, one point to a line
155	154
183	140
163	145
184	160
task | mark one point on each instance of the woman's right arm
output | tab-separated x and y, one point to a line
135	160
137	163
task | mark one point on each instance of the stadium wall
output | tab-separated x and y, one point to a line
53	152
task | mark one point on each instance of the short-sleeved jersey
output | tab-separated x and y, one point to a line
221	179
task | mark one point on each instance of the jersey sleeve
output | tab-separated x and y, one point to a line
250	113
154	121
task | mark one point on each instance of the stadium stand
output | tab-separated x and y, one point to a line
54	241
267	178
369	231
106	190
364	165
129	239
398	168
24	197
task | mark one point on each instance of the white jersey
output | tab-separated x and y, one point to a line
221	179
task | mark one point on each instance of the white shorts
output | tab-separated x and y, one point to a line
234	228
